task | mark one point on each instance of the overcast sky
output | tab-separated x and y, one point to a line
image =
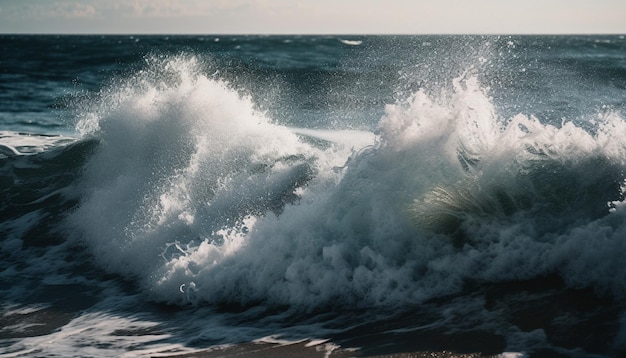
312	16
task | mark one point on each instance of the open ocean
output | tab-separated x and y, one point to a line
313	195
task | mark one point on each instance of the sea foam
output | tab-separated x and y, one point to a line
200	198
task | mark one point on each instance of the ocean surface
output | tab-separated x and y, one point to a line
164	195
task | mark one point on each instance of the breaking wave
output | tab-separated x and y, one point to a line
199	197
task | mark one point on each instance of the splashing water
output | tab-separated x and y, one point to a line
202	198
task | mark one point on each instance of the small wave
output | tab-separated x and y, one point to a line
351	42
16	143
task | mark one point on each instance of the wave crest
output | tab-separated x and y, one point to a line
202	198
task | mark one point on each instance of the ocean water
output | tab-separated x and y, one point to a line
165	195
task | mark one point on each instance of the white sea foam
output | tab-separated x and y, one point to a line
351	42
15	144
99	335
184	169
201	198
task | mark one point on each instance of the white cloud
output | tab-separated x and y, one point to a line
153	8
71	10
184	8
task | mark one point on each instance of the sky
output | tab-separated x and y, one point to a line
313	16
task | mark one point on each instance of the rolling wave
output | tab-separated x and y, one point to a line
201	198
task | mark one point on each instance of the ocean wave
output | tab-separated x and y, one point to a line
200	198
351	42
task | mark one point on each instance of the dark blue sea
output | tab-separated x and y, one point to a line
327	196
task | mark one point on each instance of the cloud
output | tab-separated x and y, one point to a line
68	9
186	8
72	10
32	10
154	8
198	8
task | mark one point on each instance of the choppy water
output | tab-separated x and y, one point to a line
167	194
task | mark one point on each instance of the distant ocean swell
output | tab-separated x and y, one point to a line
187	189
